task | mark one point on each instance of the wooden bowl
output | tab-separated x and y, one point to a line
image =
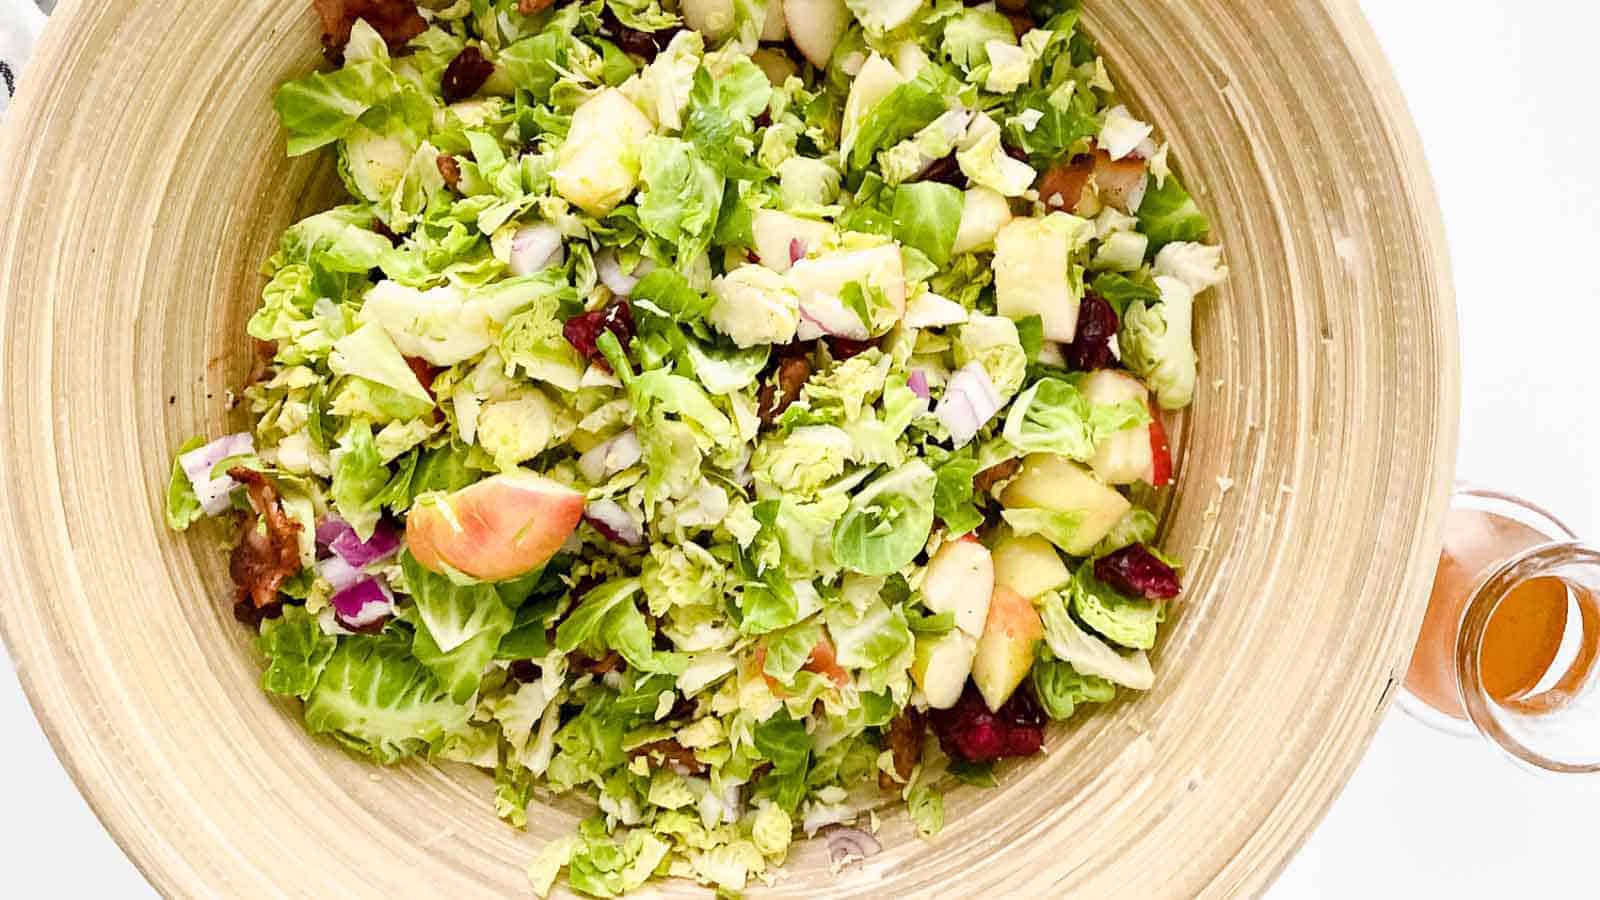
145	180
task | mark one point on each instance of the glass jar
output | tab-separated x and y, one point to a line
1509	643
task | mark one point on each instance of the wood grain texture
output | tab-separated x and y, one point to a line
145	181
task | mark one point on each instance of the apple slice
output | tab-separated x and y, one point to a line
777	65
941	666
815	27
712	18
494	530
776	28
1032	262
959	581
1010	641
1124	457
984	211
1160	451
780	238
1028	565
1058	484
930	310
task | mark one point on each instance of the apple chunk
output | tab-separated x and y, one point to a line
500	528
1057	484
941	666
712	18
1127	456
1028	565
780	238
815	27
777	65
1032	260
959	580
1006	651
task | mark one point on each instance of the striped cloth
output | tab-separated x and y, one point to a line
20	24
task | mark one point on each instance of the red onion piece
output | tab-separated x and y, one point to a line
363	604
611	457
338	573
616	523
846	843
199	463
797	250
969	402
535	248
337	535
918	382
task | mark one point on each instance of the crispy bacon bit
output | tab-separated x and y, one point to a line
465	74
450	170
261	361
246	612
995	474
780	393
1121	181
586	665
904	741
396	21
1021	23
264	558
382	228
668	753
1091	344
1062	186
533	7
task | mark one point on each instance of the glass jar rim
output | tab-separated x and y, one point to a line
1539	561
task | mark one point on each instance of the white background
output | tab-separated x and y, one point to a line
1503	92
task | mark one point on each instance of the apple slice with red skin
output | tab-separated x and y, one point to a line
497	529
1160	451
1006	650
822	661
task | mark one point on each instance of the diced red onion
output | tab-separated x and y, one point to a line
338	573
611	457
918	382
363	604
830	317
970	401
535	248
617	524
846	843
611	275
337	535
797	250
199	463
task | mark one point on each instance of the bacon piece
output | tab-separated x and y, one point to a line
780	393
396	21
995	474
533	7
264	558
261	361
668	753
904	742
1062	187
449	169
583	664
1121	182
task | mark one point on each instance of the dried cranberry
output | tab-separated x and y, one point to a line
1135	570
583	332
524	670
1091	345
844	348
633	41
1017	154
971	732
465	74
763	120
945	171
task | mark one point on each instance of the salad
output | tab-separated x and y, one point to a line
735	413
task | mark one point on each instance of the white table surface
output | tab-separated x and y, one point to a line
1503	93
